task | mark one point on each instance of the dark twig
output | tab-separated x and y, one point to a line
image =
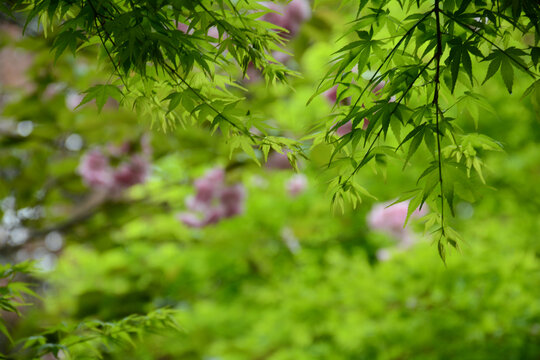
386	59
391	113
467	27
102	28
438	54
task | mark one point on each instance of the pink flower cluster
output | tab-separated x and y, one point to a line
331	96
213	200
278	161
97	170
290	16
391	219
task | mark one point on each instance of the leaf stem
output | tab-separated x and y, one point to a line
438	53
98	29
244	130
467	27
391	113
387	58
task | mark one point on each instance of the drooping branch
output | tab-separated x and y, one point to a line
100	28
438	54
476	33
398	102
172	72
386	59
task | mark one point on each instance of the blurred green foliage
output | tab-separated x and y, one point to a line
289	278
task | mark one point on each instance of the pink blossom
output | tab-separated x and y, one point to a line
299	10
134	171
366	124
377	88
190	219
182	27
277	16
73	100
391	219
213	200
331	96
213	215
119	150
296	185
253	74
290	16
232	199
278	161
347	127
344	129
281	56
213	32
95	169
133	168
296	12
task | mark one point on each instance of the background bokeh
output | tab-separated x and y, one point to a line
270	270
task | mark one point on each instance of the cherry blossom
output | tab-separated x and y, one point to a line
213	200
133	166
296	185
391	219
278	161
289	17
95	169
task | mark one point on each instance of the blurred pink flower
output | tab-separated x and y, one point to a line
347	127
278	161
377	88
214	32
299	10
119	150
190	219
281	56
73	100
134	171
213	200
391	219
182	27
232	199
296	185
209	186
290	16
95	169
134	167
344	129
277	16
331	96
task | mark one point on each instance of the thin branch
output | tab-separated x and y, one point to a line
438	54
467	27
98	28
389	115
387	58
174	72
244	130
